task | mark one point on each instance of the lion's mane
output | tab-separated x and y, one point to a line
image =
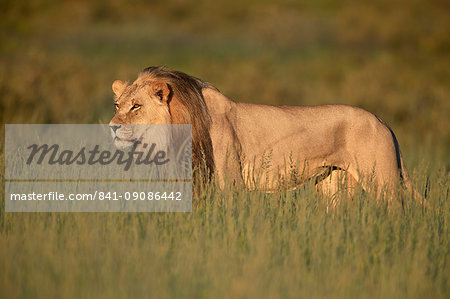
187	106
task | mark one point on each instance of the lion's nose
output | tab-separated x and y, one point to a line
114	127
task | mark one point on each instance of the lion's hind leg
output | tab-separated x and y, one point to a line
335	184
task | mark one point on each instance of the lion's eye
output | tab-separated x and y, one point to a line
135	107
116	106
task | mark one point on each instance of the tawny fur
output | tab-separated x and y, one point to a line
267	146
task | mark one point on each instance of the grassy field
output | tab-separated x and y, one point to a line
57	63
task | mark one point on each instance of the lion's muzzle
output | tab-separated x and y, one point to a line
122	135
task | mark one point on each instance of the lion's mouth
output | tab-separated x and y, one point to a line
123	143
124	139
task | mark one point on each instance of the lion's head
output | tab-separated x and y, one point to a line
161	96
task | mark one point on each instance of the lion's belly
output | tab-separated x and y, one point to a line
292	160
290	146
269	173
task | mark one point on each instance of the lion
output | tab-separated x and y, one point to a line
264	146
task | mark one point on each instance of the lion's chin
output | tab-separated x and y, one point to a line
124	144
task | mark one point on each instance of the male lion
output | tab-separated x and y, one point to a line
265	146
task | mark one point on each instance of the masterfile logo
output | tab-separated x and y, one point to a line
69	168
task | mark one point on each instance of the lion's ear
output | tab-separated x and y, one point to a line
161	90
118	87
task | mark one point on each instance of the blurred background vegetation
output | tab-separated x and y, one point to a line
391	57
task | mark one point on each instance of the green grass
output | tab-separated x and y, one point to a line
57	63
235	243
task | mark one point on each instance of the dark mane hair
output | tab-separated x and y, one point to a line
187	106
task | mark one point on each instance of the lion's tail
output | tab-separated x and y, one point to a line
404	176
406	181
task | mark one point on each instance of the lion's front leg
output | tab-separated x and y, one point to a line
226	150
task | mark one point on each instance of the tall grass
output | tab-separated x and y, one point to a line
235	243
